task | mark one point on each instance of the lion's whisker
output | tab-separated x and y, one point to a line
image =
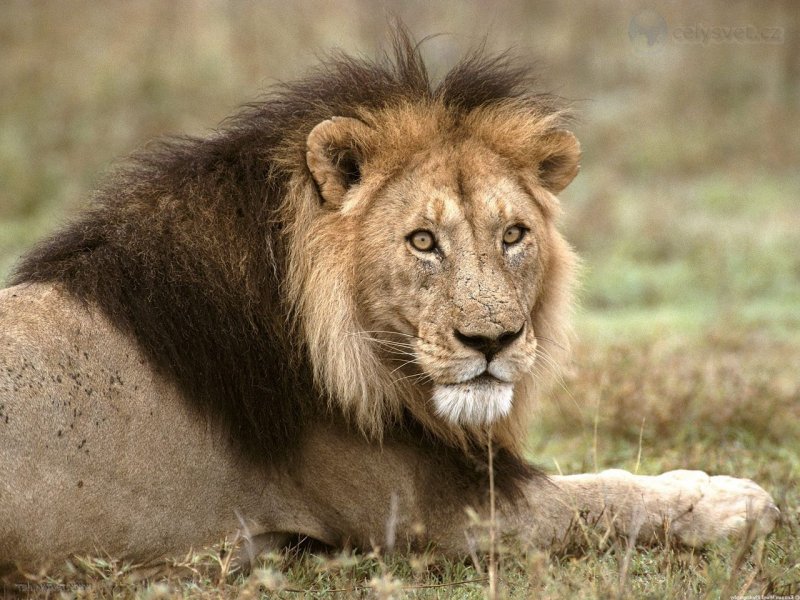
389	343
414	378
552	368
377	339
539	338
397	351
547	361
369	331
404	364
392	344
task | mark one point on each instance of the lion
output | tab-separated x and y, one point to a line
312	322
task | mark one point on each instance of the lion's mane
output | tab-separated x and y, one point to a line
204	250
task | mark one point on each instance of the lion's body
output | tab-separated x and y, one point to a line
328	304
93	430
101	455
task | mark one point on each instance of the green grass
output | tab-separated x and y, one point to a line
686	216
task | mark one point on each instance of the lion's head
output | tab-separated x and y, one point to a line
360	240
430	275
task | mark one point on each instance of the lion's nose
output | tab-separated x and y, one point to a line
488	346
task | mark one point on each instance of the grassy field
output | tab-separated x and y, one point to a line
686	214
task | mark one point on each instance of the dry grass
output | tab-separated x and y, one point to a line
685	214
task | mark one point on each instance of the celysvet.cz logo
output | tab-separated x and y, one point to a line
648	30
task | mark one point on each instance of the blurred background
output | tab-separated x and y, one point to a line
686	211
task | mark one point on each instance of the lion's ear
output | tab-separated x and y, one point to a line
560	154
335	151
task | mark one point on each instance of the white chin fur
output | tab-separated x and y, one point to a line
473	403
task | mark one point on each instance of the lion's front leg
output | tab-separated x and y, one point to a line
691	506
354	492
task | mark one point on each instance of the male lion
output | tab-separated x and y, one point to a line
310	321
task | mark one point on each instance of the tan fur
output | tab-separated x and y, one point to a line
100	452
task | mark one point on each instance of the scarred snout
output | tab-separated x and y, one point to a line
490	348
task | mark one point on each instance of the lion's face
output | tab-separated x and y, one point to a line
450	256
444	278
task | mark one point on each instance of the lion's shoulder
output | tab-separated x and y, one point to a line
68	375
49	338
35	315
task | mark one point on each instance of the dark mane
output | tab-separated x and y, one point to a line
184	247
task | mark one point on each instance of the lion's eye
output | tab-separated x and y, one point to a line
422	240
513	235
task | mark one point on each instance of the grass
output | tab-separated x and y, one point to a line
685	215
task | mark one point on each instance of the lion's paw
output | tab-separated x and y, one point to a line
710	508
